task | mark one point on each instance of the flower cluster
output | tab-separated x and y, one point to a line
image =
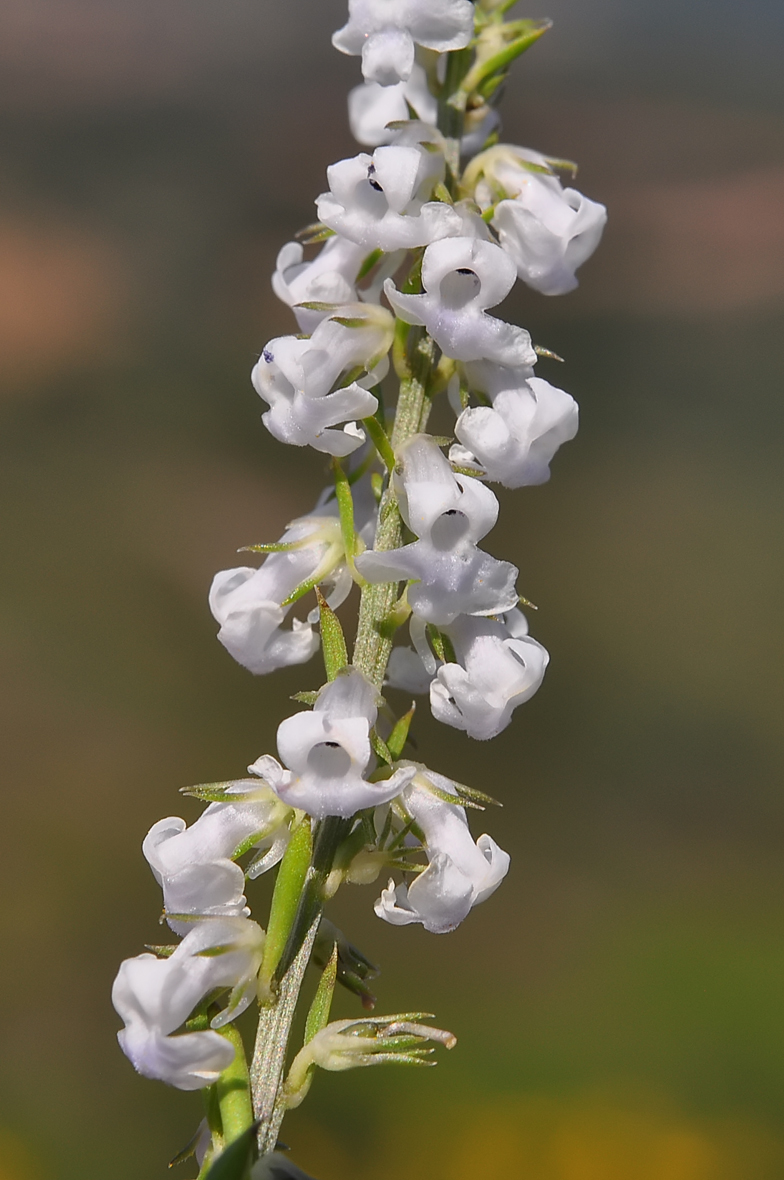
413	255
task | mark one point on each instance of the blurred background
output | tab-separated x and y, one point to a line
619	1002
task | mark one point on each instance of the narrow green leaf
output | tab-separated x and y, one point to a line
237	1160
333	641
530	31
369	263
380	747
399	736
285	898
346	509
318	1015
380	441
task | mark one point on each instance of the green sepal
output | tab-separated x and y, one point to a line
237	1160
318	1013
442	440
289	884
399	736
213	952
351	375
349	321
563	165
474	472
315	232
277	547
412	284
211	792
300	591
480	799
441	644
162	952
333	641
456	799
369	263
380	747
527	602
377	485
437	642
442	193
188	1150
305	698
546	352
315	305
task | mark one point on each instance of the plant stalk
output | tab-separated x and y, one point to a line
371	655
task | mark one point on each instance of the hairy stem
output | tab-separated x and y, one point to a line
272	1038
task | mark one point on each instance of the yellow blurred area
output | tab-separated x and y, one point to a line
16	1162
533	1137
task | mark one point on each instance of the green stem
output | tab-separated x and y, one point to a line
451	117
233	1090
375	630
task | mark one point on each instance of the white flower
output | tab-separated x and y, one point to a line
449	513
371	108
295	377
547	230
155	996
460	873
248	602
515	439
407	671
327	278
193	865
384	32
382	201
500	666
328	752
274	1165
462	277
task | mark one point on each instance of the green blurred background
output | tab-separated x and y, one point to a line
619	1001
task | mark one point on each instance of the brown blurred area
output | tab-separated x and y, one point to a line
619	1001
